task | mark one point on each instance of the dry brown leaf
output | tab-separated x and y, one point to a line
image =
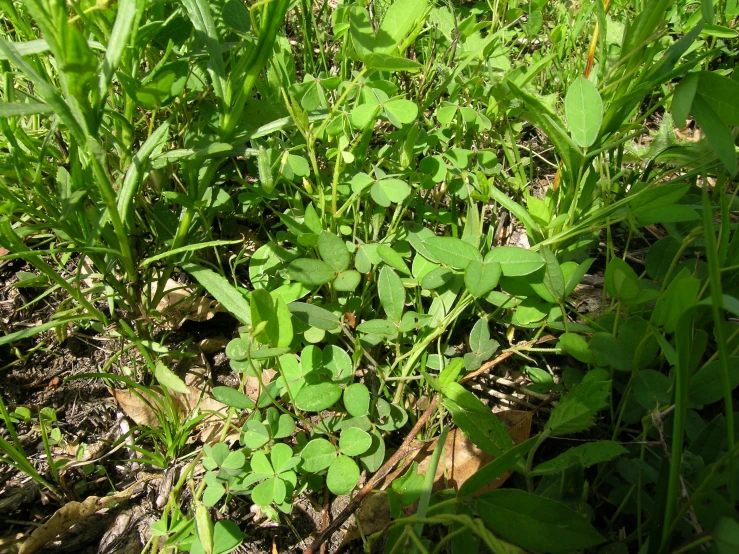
212	345
373	515
461	459
72	513
179	304
135	407
141	411
252	387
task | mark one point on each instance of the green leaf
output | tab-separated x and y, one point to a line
718	134
378	327
348	280
481	277
318	397
584	111
285	426
514	261
373	459
213	493
333	251
386	62
576	346
354	441
361	32
554	279
315	316
281	457
343	475
232	397
15	109
392	293
226	536
310	272
437	277
236	15
621	280
403	111
717	31
338	362
392	258
726	535
169	379
706	386
263	309
256	434
536	522
260	464
681	293
234	460
363	115
585	455
357	399
682	99
476	420
400	19
389	191
317	455
720	93
435	167
222	290
160	87
451	251
576	411
652	389
267	491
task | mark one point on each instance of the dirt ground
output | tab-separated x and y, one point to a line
35	373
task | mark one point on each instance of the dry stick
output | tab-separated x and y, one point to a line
402	452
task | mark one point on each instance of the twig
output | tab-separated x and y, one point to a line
404	450
399	454
324	516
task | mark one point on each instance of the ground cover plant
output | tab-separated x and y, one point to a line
387	276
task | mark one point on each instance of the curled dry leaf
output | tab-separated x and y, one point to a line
141	409
135	407
179	304
70	514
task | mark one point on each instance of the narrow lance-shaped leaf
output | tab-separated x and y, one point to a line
129	11
392	293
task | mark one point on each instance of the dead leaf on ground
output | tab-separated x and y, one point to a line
136	407
180	304
70	514
212	345
461	459
142	409
252	387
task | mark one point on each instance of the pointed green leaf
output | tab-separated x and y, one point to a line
392	293
535	522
